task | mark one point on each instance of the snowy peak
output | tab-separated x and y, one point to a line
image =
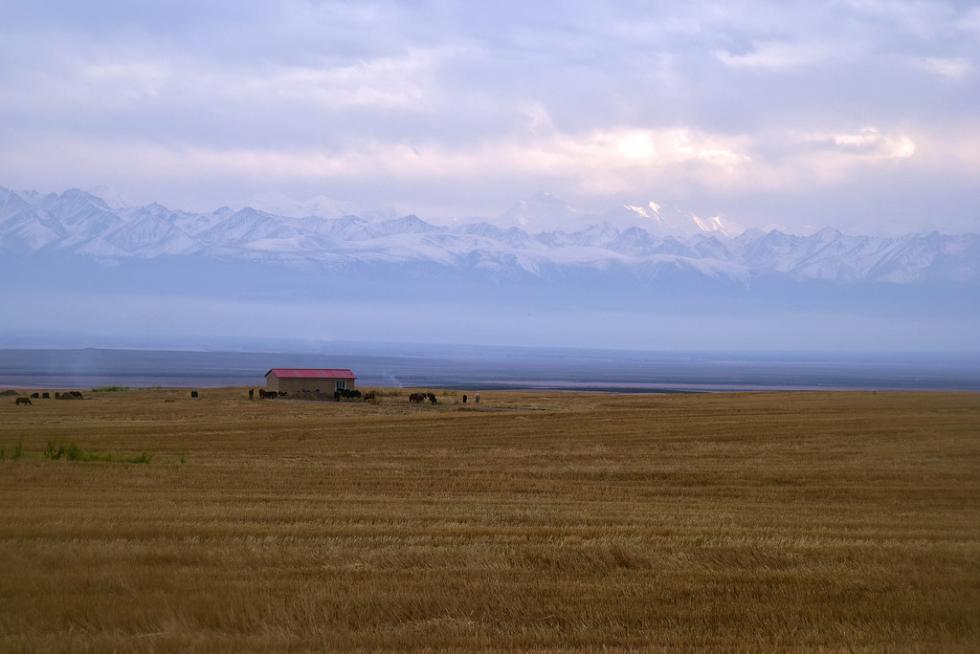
543	212
405	225
663	220
716	224
246	225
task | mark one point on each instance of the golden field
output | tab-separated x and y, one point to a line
839	522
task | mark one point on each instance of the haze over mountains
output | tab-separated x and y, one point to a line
540	238
95	273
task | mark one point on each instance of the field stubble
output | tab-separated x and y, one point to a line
534	521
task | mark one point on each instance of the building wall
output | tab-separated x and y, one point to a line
292	385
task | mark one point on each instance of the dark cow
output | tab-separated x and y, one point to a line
35	396
23	400
45	396
370	396
416	398
193	393
432	398
464	398
264	394
251	393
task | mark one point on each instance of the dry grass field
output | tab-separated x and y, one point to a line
534	522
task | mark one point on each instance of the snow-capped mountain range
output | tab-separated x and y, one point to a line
536	237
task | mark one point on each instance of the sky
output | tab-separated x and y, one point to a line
861	115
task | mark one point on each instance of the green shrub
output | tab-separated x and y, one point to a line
53	451
75	453
72	452
142	457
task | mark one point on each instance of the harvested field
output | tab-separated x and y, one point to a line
533	521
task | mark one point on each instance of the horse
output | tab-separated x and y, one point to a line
432	398
26	401
416	398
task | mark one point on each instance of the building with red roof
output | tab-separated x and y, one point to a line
309	380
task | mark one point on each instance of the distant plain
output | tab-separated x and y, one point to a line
486	367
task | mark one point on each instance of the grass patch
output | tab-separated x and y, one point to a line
72	452
142	457
15	454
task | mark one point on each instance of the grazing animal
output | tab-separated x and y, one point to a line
347	393
45	396
76	394
57	395
264	394
23	400
251	393
464	398
35	396
432	398
416	398
193	393
370	396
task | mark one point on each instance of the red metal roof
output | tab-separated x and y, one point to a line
312	373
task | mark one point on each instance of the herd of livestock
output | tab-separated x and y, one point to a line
338	395
26	400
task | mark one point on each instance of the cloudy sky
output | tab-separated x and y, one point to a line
862	114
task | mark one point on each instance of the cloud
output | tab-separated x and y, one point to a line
775	55
970	22
598	158
467	107
866	142
950	67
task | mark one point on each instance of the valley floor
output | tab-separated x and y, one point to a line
532	521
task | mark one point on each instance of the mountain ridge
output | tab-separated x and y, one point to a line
649	241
